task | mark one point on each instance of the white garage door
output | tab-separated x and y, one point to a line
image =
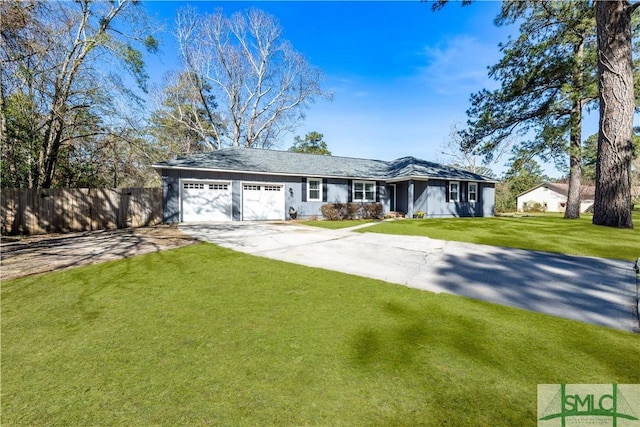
262	202
206	201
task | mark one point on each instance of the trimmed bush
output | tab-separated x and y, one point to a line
345	211
349	210
330	211
533	207
372	211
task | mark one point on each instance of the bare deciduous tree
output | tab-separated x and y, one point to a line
469	158
185	120
59	56
261	84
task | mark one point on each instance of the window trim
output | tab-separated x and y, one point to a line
364	191
319	189
451	199
475	185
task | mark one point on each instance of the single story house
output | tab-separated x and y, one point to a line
552	197
239	184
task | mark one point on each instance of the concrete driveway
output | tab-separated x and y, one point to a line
593	290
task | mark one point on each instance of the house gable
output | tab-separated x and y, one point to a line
552	197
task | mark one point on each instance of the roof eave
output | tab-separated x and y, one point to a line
364	178
253	172
428	178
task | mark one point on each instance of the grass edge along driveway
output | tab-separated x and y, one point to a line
547	233
203	335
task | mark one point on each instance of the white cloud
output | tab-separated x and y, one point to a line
459	65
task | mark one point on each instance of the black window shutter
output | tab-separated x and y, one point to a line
304	189
350	190
463	192
446	191
479	192
378	189
324	189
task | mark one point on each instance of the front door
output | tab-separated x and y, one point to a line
392	197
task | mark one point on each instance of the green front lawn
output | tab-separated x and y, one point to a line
550	233
206	336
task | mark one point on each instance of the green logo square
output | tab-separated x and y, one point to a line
561	405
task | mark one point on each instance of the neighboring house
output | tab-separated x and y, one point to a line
237	184
552	197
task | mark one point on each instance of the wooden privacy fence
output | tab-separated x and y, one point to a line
34	211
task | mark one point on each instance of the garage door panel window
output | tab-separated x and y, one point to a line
193	186
202	186
364	191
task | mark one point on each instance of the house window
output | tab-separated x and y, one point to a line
364	191
454	191
314	189
473	192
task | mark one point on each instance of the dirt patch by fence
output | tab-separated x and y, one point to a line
38	254
62	210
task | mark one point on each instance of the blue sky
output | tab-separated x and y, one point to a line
401	74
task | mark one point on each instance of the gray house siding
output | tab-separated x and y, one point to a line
420	194
236	200
488	194
336	190
437	194
439	206
333	191
170	198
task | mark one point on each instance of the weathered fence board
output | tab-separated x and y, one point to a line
35	211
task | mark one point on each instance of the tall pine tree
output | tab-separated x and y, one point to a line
547	77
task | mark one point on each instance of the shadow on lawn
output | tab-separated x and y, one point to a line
452	360
406	339
413	333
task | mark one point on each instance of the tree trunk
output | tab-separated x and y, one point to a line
49	151
572	210
612	205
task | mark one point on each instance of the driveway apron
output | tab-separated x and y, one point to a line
593	290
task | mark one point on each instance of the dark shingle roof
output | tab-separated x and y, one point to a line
289	163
